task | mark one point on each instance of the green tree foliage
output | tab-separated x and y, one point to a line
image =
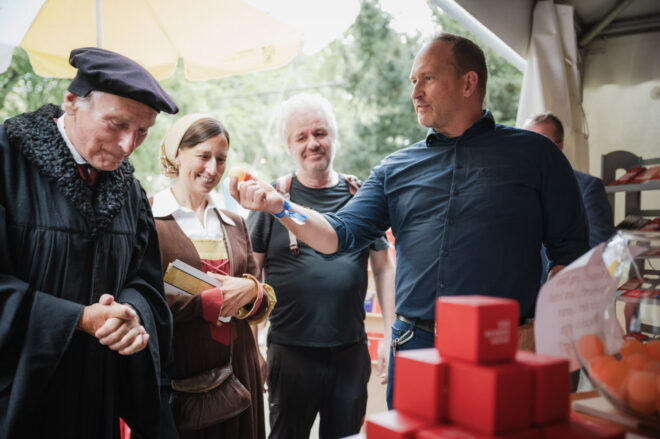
23	90
374	110
364	75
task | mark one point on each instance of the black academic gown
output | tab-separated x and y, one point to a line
61	247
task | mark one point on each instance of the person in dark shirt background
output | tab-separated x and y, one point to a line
597	207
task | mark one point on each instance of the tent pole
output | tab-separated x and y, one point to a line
99	25
594	31
455	11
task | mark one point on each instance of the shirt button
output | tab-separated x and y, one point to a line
451	222
459	166
442	285
445	254
455	191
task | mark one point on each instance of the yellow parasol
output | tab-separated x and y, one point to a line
214	38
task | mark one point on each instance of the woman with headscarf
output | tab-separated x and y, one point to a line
192	228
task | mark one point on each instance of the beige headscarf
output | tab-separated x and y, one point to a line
170	144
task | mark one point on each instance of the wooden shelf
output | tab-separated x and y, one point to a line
648	186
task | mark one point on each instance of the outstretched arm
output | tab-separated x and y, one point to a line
259	195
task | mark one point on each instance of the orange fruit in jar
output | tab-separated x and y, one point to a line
599	365
614	375
590	346
636	361
631	346
642	390
642	407
652	349
653	366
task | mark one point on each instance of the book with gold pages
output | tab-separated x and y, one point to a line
181	278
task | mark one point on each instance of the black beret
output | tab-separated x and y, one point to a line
102	70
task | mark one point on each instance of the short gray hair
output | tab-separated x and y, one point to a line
82	101
300	103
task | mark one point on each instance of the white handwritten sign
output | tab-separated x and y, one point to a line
573	303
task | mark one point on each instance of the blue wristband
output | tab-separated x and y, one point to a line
286	208
296	217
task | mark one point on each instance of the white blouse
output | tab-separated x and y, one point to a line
165	204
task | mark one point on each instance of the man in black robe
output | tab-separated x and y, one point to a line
85	330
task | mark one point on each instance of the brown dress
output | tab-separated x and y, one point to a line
194	349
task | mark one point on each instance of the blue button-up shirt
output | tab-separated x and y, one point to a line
469	215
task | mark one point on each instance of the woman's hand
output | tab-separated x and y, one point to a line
237	292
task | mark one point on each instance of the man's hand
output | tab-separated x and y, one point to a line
115	325
256	195
383	358
125	336
236	293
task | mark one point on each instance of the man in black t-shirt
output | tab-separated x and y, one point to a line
318	360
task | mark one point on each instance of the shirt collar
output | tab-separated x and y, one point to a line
485	123
74	152
165	205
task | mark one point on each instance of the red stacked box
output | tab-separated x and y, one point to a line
477	329
493	398
551	386
456	432
393	425
575	428
476	385
421	370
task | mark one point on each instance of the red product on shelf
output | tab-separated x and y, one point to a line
575	428
456	432
551	386
393	425
632	284
652	226
420	385
628	176
649	174
494	398
477	329
640	294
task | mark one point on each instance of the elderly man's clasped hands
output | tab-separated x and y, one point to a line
115	325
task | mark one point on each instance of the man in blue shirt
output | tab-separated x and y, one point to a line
469	206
